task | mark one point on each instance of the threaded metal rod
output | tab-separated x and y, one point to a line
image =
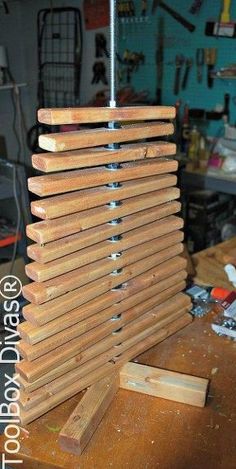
113	38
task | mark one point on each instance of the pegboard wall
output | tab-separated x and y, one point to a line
142	37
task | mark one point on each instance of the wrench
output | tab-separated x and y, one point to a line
189	63
200	63
179	61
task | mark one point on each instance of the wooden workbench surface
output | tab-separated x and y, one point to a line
139	431
142	432
210	267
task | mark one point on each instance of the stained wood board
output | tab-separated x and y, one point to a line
102	136
70	391
32	334
86	417
81	115
40	449
58	206
75	242
99	156
85	178
51	230
155	230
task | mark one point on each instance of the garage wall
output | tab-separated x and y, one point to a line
21	45
178	40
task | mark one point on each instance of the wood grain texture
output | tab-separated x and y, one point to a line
101	323
83	115
32	335
85	178
84	295
167	247
166	384
75	159
93	356
98	328
102	136
152	317
83	422
32	370
41	272
208	265
148	443
51	230
101	372
58	206
35	374
75	242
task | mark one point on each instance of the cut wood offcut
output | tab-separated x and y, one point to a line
107	267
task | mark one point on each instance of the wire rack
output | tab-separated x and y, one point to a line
59	56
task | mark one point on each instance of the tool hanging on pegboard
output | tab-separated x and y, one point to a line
196	7
101	45
129	64
175	14
99	73
200	63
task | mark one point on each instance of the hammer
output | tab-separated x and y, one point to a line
174	14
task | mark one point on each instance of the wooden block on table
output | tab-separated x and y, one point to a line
166	384
83	115
102	136
82	423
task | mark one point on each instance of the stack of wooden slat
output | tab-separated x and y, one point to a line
107	271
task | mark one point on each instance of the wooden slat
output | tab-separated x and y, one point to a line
162	277
99	156
84	115
101	323
84	420
166	384
102	136
39	293
94	356
46	231
86	178
42	314
58	206
32	335
72	243
158	314
41	272
33	370
69	391
90	333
